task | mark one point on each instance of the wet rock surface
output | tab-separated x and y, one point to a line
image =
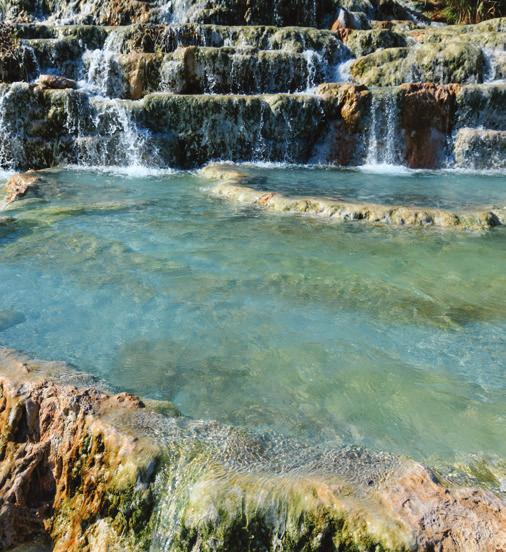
93	470
151	57
335	125
55	82
233	186
22	185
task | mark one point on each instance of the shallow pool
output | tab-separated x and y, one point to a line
454	190
391	338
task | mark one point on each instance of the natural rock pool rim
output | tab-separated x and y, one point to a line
91	470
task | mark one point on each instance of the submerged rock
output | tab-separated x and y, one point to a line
10	318
96	471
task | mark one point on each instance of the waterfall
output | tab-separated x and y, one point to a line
494	59
103	72
11	144
342	71
104	133
172	76
383	130
184	11
314	64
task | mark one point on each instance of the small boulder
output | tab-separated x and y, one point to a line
20	185
55	82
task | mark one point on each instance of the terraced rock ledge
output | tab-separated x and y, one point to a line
232	185
86	469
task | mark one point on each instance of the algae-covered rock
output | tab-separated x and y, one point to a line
481	106
69	469
234	186
362	43
442	63
94	471
480	149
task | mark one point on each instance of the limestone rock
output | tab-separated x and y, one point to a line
21	185
427	113
55	82
96	472
480	149
350	105
233	186
67	469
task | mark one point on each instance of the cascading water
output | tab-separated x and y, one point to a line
342	71
103	74
315	69
11	146
495	62
114	139
383	130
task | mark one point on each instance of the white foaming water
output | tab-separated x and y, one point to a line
107	136
172	76
342	71
184	11
494	58
11	146
385	168
314	65
137	171
103	72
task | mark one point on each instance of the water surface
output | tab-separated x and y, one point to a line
390	338
385	184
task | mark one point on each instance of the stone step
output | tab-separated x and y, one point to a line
197	70
384	57
313	13
167	38
340	124
223	60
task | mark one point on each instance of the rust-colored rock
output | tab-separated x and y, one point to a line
448	520
350	103
21	185
67	469
78	464
427	112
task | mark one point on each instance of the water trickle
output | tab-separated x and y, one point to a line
105	134
260	148
383	130
103	74
315	69
342	71
495	63
11	146
172	77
